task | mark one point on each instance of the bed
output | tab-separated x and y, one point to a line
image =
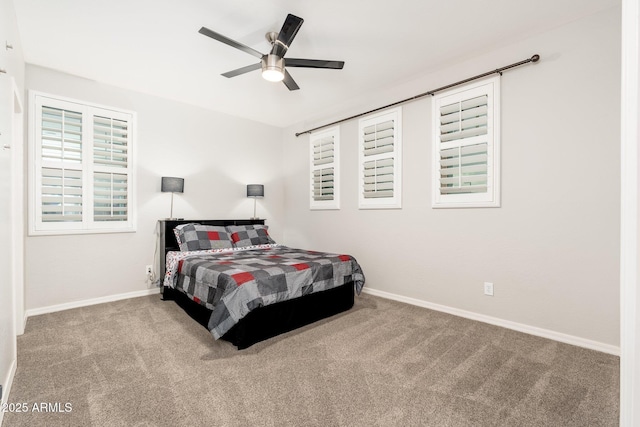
255	289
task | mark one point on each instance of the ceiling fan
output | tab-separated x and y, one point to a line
273	63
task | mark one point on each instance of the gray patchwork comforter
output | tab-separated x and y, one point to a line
233	282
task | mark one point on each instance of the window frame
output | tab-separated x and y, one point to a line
490	198
333	204
87	166
394	202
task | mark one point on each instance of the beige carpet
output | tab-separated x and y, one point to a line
144	362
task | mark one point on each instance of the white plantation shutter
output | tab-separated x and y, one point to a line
61	195
380	160
324	169
61	133
466	146
464	119
110	196
81	168
60	155
110	157
464	169
379	138
110	142
378	178
323	177
323	184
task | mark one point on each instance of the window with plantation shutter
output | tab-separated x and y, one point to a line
325	165
80	167
467	146
380	160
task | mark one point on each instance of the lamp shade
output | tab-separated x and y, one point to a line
172	184
255	190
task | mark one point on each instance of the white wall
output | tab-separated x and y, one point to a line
11	60
552	249
215	153
629	230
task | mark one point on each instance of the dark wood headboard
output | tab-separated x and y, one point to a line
168	242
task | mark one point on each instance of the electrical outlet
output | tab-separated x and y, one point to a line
488	288
148	270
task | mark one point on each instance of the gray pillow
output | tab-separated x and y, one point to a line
198	237
249	235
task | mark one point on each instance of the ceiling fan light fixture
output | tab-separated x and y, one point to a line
273	75
273	68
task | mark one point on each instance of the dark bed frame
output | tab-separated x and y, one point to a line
263	322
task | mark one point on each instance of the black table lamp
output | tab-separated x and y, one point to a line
255	191
172	185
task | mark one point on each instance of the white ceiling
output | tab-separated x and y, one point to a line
153	46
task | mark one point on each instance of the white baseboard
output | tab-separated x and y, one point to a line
6	386
520	327
87	302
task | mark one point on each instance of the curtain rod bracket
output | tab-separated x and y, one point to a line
535	58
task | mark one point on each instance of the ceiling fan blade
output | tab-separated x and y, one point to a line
314	63
226	40
243	70
286	35
289	82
